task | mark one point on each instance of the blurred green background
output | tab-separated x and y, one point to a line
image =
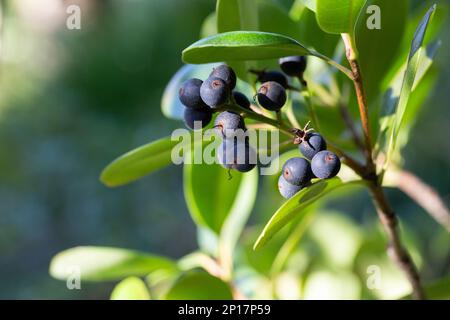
73	100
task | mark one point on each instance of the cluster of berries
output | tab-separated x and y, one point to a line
201	98
297	172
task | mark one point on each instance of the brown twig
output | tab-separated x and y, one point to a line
395	249
424	195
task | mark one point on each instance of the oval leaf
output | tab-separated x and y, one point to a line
199	285
104	263
248	45
131	288
294	206
138	163
241	46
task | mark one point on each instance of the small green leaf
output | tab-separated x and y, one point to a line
211	195
131	288
248	45
338	16
199	285
296	205
138	162
104	263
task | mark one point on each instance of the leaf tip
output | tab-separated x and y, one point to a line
104	178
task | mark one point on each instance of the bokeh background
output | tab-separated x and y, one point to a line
73	100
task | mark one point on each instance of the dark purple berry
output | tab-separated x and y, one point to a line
214	92
236	154
271	96
297	171
287	190
203	116
312	144
189	93
276	76
293	66
225	73
325	164
241	100
228	122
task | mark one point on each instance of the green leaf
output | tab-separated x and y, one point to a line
104	263
211	196
199	285
296	205
131	288
338	16
171	106
248	45
416	101
378	48
419	60
439	20
139	162
241	46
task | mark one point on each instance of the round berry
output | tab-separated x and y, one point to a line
214	92
293	66
200	117
276	76
241	100
236	154
297	171
227	123
271	96
287	190
225	73
325	164
312	144
189	93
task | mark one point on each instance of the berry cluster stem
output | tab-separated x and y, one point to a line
259	117
386	214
